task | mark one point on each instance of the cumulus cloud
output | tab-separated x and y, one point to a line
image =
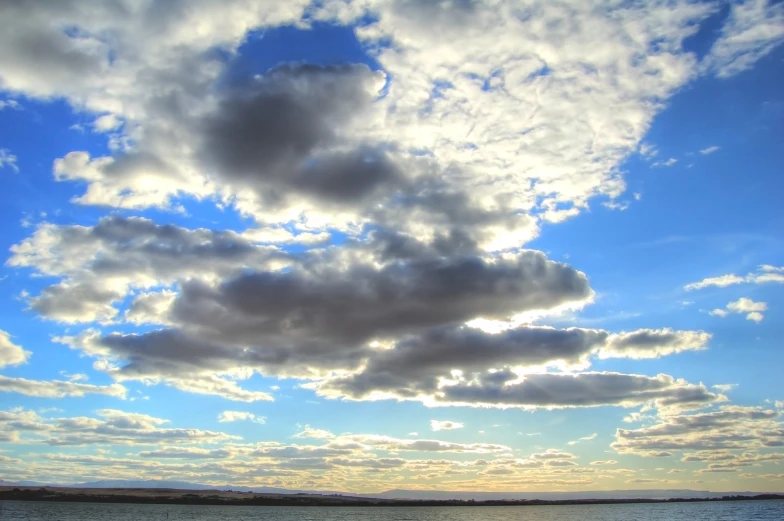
764	274
437	169
744	306
500	112
234	416
10	353
709	150
444	425
100	265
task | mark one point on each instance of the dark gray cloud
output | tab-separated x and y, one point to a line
360	301
415	364
72	303
504	388
318	316
100	265
280	135
576	390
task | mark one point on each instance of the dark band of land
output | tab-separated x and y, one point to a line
221	497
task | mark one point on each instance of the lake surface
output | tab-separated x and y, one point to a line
725	511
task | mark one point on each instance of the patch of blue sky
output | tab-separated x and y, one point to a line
709	214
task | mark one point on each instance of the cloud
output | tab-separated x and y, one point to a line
584	438
233	416
186	453
670	162
388	443
653	343
435	186
10	353
111	427
10	104
724	388
605	462
7	159
553	454
217	327
754	28
709	150
100	265
438	425
744	306
554	391
764	274
58	388
485	119
450	361
729	428
505	388
106	123
318	434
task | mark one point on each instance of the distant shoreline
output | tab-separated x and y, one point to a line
229	498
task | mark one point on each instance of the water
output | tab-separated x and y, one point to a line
726	511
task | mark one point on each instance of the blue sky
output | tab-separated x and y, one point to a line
357	246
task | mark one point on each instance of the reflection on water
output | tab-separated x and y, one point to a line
729	511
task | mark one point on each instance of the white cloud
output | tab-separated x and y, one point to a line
728	437
110	427
446	425
106	123
7	159
754	29
764	274
584	438
648	151
744	306
317	434
724	387
9	104
709	150
10	353
57	388
235	416
501	111
669	162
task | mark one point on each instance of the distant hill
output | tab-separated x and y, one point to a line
556	496
402	493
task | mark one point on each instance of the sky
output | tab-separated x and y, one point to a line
393	244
